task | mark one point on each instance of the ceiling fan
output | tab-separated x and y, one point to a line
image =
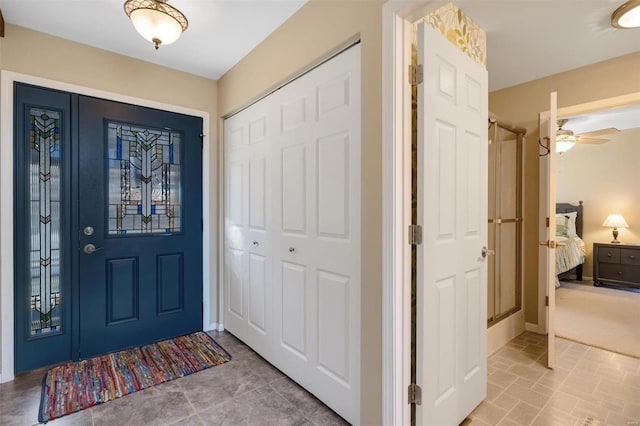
566	135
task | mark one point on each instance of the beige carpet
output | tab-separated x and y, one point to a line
600	317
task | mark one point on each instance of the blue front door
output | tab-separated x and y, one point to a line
109	226
140	222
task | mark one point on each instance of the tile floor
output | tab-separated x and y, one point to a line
244	391
589	387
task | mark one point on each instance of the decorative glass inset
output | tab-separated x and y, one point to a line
144	180
44	190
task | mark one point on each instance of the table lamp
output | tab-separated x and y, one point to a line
615	221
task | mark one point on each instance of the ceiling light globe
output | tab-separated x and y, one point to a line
563	146
627	15
156	20
156	26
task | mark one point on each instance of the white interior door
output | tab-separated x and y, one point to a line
292	224
452	209
547	224
248	250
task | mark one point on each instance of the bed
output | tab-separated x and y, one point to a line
570	249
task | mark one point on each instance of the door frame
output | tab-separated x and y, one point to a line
398	17
576	109
209	216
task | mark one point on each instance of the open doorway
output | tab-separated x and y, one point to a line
598	249
596	301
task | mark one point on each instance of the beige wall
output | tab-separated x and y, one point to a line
522	103
315	29
30	52
606	178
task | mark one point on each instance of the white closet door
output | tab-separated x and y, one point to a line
307	211
248	293
317	233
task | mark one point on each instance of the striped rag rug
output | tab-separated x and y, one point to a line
78	385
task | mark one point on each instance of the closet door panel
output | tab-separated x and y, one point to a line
333	325
332	153
299	233
258	305
294	189
257	193
294	304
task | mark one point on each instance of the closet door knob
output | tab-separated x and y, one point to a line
291	249
255	243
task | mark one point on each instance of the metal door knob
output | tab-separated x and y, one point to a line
291	249
255	243
90	248
486	252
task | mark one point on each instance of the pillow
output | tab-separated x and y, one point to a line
562	224
571	224
566	224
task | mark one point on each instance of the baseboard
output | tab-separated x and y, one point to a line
220	327
531	327
504	331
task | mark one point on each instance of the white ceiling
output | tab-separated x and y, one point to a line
220	33
530	39
527	39
623	118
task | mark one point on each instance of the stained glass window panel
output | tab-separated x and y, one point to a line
144	180
45	310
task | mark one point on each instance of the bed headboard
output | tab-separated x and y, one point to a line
568	208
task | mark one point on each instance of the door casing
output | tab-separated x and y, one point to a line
398	17
209	212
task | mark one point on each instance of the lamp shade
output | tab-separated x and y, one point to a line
156	21
615	220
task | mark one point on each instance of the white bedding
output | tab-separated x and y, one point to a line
570	253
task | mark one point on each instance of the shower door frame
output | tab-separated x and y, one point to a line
520	133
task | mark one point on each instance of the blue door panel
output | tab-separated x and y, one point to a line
136	288
161	292
34	350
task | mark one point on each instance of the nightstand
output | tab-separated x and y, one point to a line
616	264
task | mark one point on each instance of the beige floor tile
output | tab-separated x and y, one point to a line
523	414
489	413
632	410
621	420
552	417
502	378
505	401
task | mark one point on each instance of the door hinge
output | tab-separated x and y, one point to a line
547	222
546	301
415	394
416	74
201	306
415	234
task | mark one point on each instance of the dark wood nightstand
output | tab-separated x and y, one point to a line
616	264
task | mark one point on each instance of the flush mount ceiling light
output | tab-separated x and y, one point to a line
156	20
627	15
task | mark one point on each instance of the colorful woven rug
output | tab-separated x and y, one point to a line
78	385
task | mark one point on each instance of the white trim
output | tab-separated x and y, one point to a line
397	20
532	327
504	331
209	217
572	110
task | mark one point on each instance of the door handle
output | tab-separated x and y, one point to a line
486	252
90	249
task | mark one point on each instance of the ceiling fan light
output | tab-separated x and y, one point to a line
627	15
156	21
564	146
